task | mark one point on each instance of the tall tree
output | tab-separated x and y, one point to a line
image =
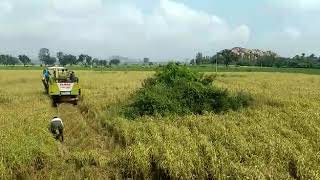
103	62
44	55
24	59
4	59
88	60
114	61
199	58
312	56
146	60
51	61
60	57
81	59
85	59
95	61
70	59
228	56
12	60
266	61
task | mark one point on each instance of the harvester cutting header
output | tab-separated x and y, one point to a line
61	84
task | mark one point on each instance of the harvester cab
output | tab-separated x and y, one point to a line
61	84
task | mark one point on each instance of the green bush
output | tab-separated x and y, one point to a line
178	90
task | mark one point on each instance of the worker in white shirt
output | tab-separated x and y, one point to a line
56	128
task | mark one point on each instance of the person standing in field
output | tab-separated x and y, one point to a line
47	75
56	128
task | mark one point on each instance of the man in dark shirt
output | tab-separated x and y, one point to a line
56	128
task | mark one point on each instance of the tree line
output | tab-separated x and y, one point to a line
63	59
69	59
227	57
11	60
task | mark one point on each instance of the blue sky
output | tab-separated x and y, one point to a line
159	29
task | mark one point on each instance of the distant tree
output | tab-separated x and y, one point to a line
206	60
312	57
60	55
192	61
70	59
146	60
114	61
244	62
228	56
296	57
51	61
103	62
24	59
266	61
88	60
62	59
1	59
304	61
10	60
44	56
311	61
95	61
5	59
281	62
212	59
199	58
85	59
81	59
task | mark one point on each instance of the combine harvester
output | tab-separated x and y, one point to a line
61	85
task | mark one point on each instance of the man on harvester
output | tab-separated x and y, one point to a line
46	74
45	79
56	128
72	77
63	75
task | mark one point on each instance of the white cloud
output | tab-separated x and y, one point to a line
292	33
170	30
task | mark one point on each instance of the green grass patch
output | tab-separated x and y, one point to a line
178	90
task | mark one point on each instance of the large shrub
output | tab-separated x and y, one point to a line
178	90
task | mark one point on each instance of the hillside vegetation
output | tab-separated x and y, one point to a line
274	138
256	57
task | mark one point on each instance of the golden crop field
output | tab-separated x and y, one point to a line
275	138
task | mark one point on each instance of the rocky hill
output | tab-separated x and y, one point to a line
252	53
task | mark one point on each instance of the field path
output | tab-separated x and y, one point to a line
85	145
